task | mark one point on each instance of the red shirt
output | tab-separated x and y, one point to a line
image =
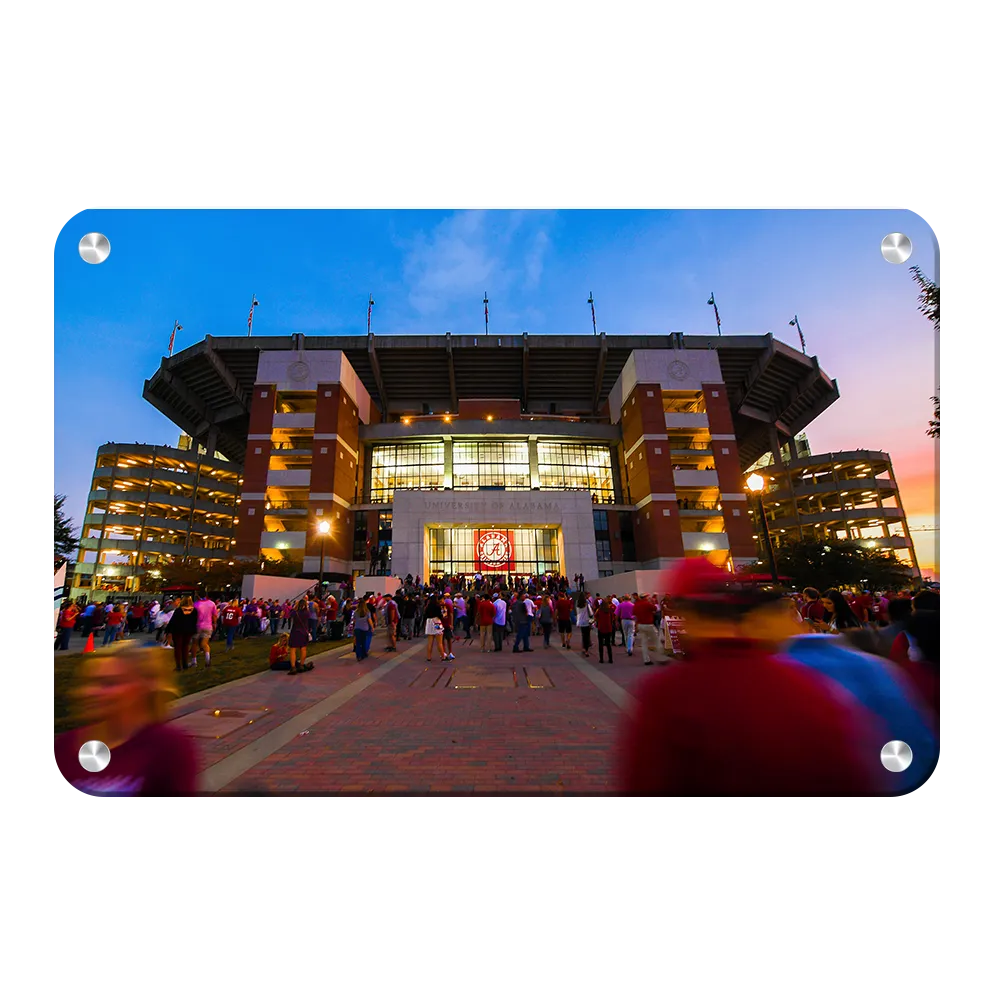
485	612
732	719
564	607
158	760
67	618
813	611
230	617
605	620
114	618
644	611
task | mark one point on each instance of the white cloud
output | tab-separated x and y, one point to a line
472	252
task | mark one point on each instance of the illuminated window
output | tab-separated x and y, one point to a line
410	466
485	464
571	466
453	550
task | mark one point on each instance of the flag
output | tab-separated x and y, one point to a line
250	317
486	310
170	348
718	322
371	302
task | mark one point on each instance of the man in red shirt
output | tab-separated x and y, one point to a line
812	610
735	718
564	611
645	609
485	613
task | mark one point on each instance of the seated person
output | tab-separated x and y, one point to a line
279	654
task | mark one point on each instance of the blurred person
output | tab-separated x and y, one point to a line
734	717
123	699
604	618
391	623
584	621
163	616
182	628
298	638
521	623
883	689
408	612
917	651
447	624
644	612
898	611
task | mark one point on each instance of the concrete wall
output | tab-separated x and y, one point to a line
276	588
414	511
376	585
642	581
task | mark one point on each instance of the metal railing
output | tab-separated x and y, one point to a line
700	505
598	497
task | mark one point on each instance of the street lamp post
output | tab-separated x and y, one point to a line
324	530
755	484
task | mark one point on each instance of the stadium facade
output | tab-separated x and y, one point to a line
590	454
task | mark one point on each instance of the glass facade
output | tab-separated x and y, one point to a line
453	550
412	466
503	464
570	466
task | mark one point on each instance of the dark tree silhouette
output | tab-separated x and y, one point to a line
65	535
929	305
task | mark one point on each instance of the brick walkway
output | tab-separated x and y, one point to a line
480	724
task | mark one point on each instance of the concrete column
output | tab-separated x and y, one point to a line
448	459
775	443
533	462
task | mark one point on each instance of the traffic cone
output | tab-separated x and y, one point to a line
89	648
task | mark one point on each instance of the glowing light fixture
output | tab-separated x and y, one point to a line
755	482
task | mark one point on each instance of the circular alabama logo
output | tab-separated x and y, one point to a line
494	548
678	370
298	371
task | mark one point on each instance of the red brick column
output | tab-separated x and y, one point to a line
255	469
648	472
334	470
735	509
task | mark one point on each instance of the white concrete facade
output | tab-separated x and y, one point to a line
671	370
416	511
303	371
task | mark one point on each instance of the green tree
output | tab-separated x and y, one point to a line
66	539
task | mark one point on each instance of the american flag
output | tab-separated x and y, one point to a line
253	303
718	322
173	332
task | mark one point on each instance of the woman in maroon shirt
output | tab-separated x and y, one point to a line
605	619
123	700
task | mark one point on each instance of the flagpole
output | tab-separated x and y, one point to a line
718	322
802	339
170	349
593	315
486	311
253	303
371	302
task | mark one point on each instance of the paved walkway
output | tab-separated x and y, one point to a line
542	722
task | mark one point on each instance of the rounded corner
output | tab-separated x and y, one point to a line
930	229
62	774
73	218
923	780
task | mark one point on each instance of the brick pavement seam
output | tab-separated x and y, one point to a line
216	777
602	682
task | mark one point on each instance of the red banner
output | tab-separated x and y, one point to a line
494	551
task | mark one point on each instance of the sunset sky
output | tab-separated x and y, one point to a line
650	272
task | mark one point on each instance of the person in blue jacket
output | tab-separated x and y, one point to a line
880	686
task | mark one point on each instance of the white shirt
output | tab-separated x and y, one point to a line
529	607
501	616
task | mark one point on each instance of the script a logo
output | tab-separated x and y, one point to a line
494	548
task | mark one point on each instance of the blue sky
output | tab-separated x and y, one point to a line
650	272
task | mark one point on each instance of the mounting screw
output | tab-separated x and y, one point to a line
94	248
896	248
